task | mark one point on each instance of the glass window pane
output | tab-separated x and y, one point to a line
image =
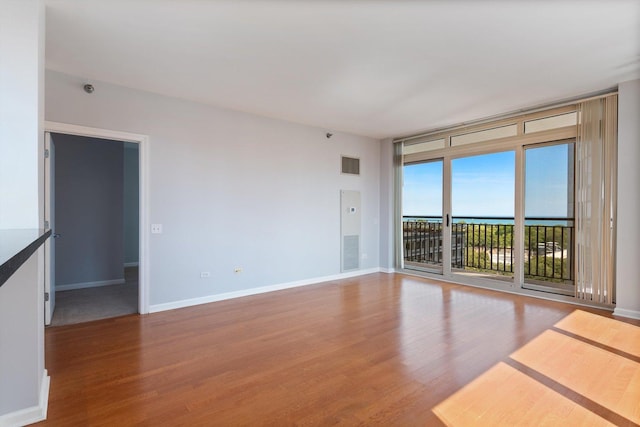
484	135
553	122
419	147
549	181
422	216
549	235
483	186
482	198
422	190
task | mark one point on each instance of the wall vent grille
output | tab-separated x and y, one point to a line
350	165
350	253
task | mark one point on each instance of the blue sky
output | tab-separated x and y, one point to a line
546	181
484	185
422	190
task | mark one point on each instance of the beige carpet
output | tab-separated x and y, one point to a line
85	305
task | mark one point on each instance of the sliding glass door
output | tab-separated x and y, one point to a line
461	217
549	233
482	214
422	230
472	220
524	203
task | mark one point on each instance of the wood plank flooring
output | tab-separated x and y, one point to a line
381	349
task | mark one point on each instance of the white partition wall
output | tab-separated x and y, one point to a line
23	379
628	249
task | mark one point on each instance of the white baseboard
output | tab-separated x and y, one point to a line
254	291
632	314
71	286
130	264
387	270
33	414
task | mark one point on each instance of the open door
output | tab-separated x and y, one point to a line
49	223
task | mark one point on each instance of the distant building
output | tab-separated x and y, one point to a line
423	243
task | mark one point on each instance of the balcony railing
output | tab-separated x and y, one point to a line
486	245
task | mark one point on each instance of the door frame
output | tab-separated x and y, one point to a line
49	220
518	216
519	146
143	201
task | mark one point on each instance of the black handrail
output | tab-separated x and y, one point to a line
27	242
527	218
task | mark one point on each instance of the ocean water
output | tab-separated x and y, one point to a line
528	222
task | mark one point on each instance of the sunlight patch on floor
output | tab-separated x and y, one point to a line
503	396
610	332
557	379
606	378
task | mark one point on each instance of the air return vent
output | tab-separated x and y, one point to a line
350	230
350	252
350	165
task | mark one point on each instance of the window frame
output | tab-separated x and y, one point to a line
518	144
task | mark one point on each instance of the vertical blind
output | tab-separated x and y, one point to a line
596	172
397	204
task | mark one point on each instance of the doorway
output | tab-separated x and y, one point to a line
466	230
94	203
482	215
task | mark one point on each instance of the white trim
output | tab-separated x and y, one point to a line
387	270
623	312
504	286
32	414
82	285
254	291
130	264
48	267
144	146
447	211
70	129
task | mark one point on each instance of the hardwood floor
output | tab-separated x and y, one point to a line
381	349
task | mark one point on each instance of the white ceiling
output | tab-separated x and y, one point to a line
376	68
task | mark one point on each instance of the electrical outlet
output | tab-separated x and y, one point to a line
205	274
237	270
365	256
156	228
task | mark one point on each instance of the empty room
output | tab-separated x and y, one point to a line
320	212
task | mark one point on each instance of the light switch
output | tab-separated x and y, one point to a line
156	228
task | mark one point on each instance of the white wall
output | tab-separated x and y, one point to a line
232	189
131	206
89	192
386	206
628	247
19	378
22	371
21	111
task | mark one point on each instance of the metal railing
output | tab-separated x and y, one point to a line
422	239
487	245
